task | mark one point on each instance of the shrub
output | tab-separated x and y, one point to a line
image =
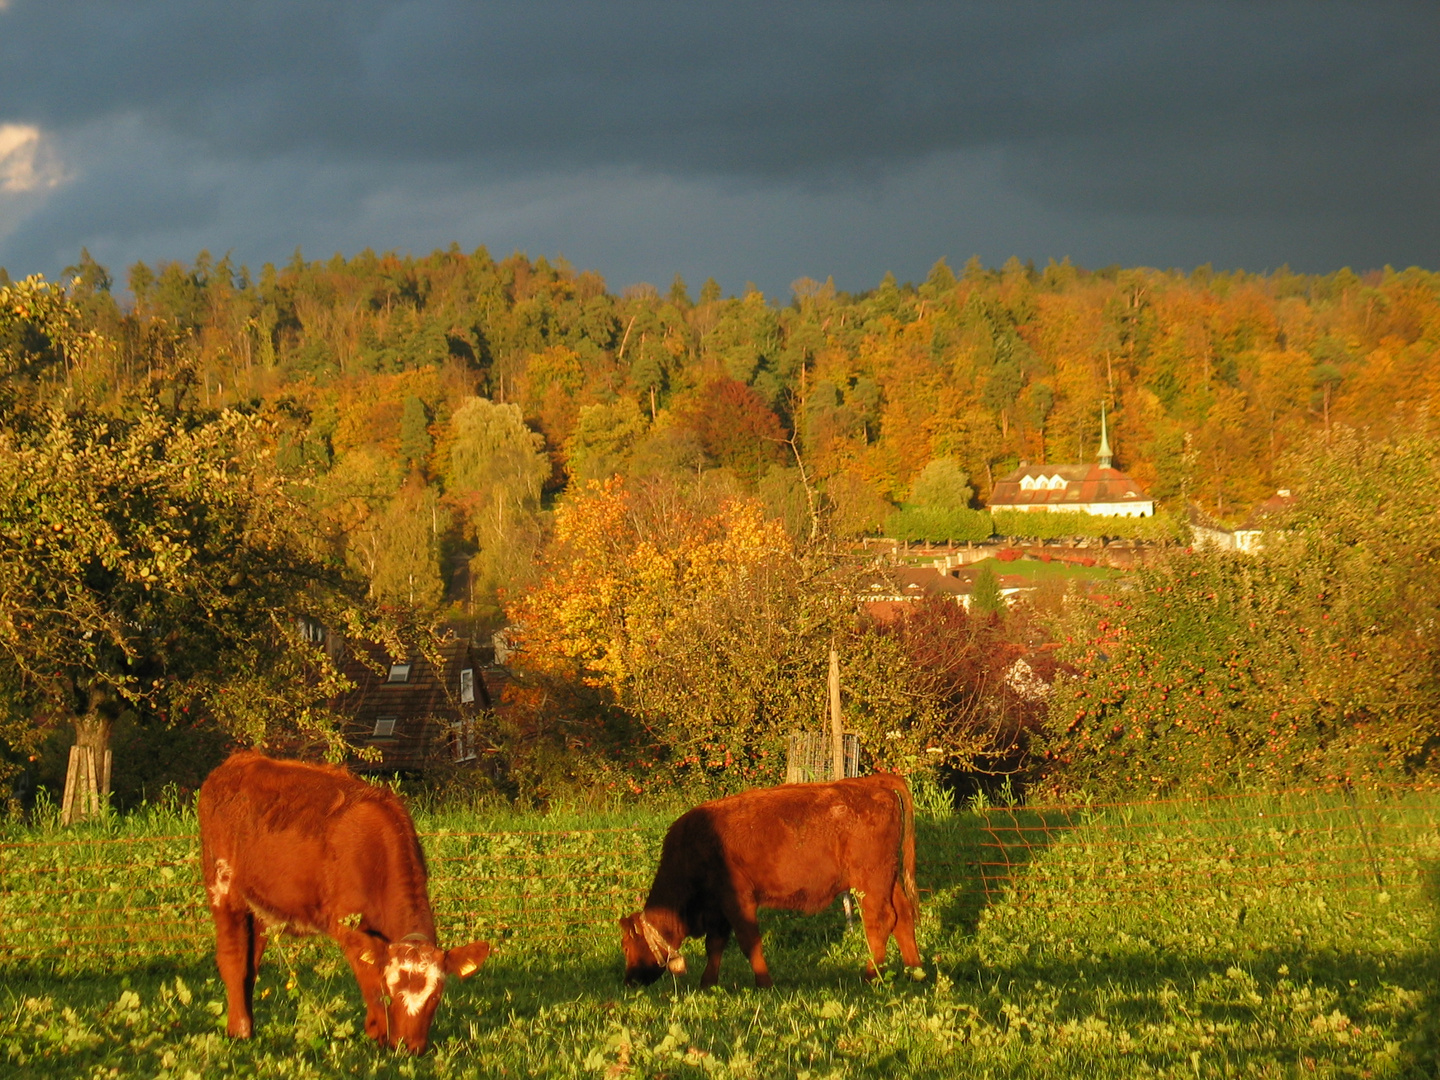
1313	659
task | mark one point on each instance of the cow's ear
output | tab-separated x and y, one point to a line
466	960
360	948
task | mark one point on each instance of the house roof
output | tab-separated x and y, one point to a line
894	589
1059	486
1258	518
1200	518
422	705
913	582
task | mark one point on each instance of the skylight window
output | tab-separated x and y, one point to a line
399	673
385	727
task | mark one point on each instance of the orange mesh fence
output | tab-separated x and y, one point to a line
72	904
75	903
1376	841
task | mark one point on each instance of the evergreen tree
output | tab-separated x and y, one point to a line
415	441
986	598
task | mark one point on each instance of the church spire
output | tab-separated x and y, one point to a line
1104	440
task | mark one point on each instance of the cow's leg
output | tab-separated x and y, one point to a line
257	948
905	917
747	936
362	951
878	914
715	941
236	956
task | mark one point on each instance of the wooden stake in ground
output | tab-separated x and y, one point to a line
837	748
87	784
837	734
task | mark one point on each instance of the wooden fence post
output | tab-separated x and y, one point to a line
837	747
837	733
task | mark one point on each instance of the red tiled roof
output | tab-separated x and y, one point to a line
1084	485
1260	516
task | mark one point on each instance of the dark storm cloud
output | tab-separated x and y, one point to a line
1188	110
769	88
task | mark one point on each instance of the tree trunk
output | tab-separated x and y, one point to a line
87	781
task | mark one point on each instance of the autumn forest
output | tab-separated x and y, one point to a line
1207	378
465	428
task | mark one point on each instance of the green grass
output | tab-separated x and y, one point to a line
1037	570
1259	937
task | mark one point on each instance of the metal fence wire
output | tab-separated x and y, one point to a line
1379	841
810	756
67	903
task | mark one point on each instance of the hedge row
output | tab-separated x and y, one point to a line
935	525
1058	526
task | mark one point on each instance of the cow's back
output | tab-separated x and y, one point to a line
302	844
797	846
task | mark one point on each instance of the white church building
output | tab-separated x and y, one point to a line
1096	489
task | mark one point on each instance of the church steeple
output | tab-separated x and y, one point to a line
1104	440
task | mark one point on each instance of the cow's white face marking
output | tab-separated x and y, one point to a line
220	887
402	968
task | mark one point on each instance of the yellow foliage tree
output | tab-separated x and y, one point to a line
625	567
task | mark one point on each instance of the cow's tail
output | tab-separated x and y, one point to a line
907	844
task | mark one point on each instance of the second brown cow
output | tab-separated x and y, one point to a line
797	847
311	849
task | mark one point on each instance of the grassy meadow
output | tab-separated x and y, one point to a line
1266	937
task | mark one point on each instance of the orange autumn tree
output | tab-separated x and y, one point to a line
694	616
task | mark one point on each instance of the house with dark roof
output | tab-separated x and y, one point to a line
896	587
413	712
1098	488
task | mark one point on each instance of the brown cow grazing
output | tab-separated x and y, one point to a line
313	850
797	846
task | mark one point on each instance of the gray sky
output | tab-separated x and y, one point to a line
759	142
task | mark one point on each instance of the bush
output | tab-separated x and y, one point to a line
1314	659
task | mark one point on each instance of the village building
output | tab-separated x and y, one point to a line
1248	536
1098	488
1250	532
413	712
1208	532
892	592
